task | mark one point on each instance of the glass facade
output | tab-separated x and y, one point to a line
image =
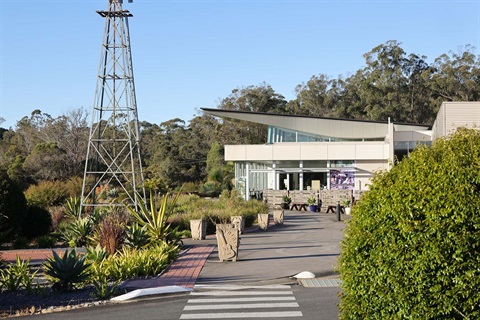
293	175
403	148
278	135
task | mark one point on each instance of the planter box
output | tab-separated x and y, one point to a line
285	205
238	222
228	242
278	216
198	229
263	220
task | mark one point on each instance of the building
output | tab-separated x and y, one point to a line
314	153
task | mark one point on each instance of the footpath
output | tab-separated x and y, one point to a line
307	241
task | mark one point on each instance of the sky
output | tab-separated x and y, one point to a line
191	54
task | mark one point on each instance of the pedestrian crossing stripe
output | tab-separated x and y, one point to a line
239	287
242	306
255	299
243	315
240	293
241	301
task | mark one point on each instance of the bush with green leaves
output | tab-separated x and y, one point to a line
132	263
411	249
67	271
16	275
13	208
46	241
46	194
37	223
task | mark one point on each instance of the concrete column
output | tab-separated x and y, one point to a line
247	181
300	175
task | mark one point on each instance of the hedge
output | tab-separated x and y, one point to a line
412	247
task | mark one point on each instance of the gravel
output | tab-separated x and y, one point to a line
21	302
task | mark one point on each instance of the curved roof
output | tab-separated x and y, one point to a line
331	127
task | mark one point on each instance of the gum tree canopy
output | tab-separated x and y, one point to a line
412	248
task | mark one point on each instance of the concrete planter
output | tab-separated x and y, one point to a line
263	220
198	229
348	210
239	223
278	217
228	241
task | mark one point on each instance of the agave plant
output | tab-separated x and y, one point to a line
155	219
96	254
73	208
66	271
135	237
78	232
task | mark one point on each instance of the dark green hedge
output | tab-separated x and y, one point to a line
412	247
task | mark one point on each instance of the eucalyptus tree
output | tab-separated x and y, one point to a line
261	98
457	76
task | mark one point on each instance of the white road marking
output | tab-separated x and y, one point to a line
220	300
242	306
240	293
243	315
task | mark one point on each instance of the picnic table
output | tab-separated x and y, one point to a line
298	206
333	209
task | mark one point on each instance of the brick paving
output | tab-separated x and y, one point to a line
36	255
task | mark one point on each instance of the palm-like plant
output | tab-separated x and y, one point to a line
68	270
154	219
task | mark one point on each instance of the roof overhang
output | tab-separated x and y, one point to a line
330	127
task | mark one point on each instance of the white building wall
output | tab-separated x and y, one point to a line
309	151
453	115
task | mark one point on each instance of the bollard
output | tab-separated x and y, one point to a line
338	212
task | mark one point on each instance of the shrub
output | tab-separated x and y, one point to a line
411	248
67	271
46	241
74	186
58	214
20	242
127	263
13	208
16	275
37	223
111	232
46	194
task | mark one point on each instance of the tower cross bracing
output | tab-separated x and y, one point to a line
113	171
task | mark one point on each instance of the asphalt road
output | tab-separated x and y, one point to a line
313	304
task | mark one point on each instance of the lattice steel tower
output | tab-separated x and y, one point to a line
113	171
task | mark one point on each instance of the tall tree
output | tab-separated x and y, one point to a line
457	76
260	98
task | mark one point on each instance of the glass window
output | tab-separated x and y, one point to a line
315	163
342	163
287	164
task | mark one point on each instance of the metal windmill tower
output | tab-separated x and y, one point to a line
113	162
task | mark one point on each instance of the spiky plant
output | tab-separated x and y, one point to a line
66	271
155	219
